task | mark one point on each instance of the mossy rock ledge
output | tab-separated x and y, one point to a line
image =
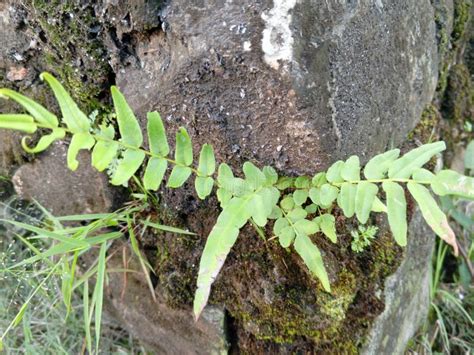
292	84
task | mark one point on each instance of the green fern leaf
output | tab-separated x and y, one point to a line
312	258
105	149
178	176
284	182
203	186
346	199
432	214
334	172
315	195
75	119
207	161
302	182
259	213
378	166
351	169
221	239
44	142
184	148
403	167
253	175
300	197
157	135
319	179
279	225
312	208
40	113
378	205
79	141
271	175
307	227
262	205
127	166
396	211
449	182
18	122
236	186
365	196
287	236
327	223
328	194
422	175
224	173
154	173
276	213
128	125
223	196
287	203
297	214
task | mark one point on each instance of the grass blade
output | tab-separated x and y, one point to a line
99	293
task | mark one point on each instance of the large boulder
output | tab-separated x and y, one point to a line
294	84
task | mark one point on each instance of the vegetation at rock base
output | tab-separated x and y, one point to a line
448	328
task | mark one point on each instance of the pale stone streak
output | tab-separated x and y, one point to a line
277	38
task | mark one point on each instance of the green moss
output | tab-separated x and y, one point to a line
335	305
424	130
386	256
458	98
299	311
73	50
461	16
443	47
450	44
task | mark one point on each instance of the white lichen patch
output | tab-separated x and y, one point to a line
247	46
277	38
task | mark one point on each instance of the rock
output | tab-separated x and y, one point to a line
63	192
11	153
406	293
294	84
320	79
17	73
162	330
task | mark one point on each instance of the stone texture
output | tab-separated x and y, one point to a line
407	294
49	181
10	151
281	82
294	84
163	330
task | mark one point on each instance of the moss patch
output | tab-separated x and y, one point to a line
458	97
426	129
450	41
272	300
73	49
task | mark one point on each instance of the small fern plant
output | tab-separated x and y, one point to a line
300	207
363	237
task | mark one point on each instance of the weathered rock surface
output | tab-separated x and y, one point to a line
161	329
407	294
294	84
62	191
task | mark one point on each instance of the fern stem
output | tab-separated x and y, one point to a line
195	171
127	146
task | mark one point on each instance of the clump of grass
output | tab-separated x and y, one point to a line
450	325
39	313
